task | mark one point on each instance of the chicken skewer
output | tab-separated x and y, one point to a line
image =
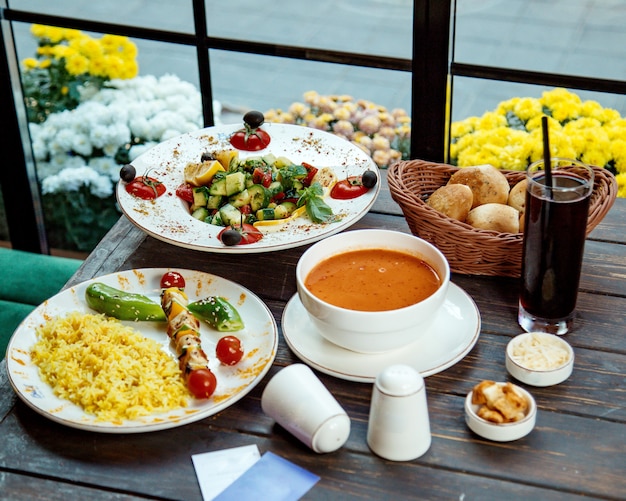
184	331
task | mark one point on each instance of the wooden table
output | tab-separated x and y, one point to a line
577	449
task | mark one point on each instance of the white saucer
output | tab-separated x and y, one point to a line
452	335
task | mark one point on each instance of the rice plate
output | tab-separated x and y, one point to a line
107	368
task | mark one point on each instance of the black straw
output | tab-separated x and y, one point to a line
547	162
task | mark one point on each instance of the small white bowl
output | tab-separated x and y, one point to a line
372	331
539	359
505	432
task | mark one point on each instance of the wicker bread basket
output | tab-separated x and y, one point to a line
469	250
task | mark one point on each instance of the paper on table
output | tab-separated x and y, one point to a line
217	470
271	478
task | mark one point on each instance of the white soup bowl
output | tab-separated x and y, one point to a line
372	331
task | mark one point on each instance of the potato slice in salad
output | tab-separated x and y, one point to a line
326	177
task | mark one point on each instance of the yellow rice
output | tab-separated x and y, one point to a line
107	368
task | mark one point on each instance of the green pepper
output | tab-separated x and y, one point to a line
122	305
218	313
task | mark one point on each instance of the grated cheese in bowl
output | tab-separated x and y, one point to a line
539	359
540	352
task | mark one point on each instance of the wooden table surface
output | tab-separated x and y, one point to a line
577	449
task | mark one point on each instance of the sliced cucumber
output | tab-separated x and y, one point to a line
200	213
230	215
240	199
200	196
218	187
269	159
235	182
275	187
281	162
259	196
284	210
215	219
214	201
265	214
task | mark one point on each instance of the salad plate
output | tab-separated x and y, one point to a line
452	335
259	338
168	218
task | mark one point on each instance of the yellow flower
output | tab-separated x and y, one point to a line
381	157
77	64
30	63
344	128
618	152
86	46
380	143
55	35
61	51
297	109
311	97
491	120
527	108
130	69
506	106
342	113
97	67
369	124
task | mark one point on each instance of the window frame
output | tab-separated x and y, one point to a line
432	69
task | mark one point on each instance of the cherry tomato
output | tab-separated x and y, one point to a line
251	137
348	188
202	383
229	350
260	176
311	171
185	191
249	234
172	279
145	187
250	140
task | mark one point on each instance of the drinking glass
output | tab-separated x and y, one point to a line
555	225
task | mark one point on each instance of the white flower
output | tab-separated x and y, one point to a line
78	147
71	179
105	166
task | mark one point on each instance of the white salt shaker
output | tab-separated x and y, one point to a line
399	428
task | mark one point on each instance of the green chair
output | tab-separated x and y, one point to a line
28	280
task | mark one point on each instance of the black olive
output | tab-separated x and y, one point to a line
254	119
231	237
206	156
369	179
127	173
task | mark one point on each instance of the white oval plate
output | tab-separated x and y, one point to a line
451	336
259	338
167	218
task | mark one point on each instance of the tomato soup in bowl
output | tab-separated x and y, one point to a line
372	291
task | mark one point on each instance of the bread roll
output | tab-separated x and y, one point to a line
517	196
517	200
496	217
453	200
487	183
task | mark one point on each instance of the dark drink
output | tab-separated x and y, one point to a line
554	238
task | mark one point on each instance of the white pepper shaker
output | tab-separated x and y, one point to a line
399	427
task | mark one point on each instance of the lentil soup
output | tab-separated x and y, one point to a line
372	280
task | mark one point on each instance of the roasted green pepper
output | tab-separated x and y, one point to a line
121	304
218	313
